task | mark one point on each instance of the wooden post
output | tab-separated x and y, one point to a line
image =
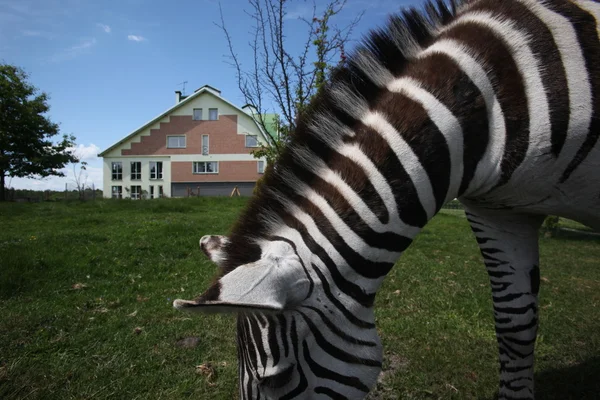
235	192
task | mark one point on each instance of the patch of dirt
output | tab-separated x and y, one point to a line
208	371
392	364
78	286
188	342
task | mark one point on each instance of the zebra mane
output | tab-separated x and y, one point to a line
352	88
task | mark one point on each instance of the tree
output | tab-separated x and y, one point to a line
280	77
80	178
26	146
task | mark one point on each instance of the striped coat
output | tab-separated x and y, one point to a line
496	103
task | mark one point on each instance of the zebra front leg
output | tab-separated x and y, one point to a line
509	245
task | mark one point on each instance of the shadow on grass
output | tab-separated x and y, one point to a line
581	381
578	382
572	234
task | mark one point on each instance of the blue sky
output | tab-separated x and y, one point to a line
110	66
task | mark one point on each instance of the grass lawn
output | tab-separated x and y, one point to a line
86	292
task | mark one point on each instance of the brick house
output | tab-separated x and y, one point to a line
201	145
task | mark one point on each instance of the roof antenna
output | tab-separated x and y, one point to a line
183	83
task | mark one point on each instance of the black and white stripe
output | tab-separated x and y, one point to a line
496	103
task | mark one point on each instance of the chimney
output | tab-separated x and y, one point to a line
250	109
177	96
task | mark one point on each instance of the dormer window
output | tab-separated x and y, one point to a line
251	141
176	142
197	114
213	114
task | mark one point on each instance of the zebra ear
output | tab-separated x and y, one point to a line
273	283
212	246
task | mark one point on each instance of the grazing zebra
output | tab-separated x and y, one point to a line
496	103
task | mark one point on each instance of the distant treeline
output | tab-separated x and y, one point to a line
51	195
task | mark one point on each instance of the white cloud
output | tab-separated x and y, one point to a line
31	33
104	27
300	12
94	177
84	44
86	153
136	38
69	53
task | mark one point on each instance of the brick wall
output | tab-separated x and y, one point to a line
229	171
223	137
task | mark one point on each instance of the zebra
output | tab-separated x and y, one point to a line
496	103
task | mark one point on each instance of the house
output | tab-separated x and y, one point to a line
200	146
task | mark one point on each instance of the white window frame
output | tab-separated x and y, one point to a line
119	192
254	136
138	174
205	149
138	195
177	147
259	163
198	171
210	114
151	191
194	114
157	174
161	193
113	173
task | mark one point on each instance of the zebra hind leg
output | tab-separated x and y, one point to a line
509	245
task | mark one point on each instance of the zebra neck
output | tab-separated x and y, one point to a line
358	203
366	185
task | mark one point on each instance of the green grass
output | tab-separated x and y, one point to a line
77	279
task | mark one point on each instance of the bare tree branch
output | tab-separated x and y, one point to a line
279	78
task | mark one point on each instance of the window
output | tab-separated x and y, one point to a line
151	191
156	170
176	142
204	145
261	167
213	114
160	191
197	114
117	192
136	170
206	167
117	171
136	192
251	141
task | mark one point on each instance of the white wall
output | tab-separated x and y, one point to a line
145	182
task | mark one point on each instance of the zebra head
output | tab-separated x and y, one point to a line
297	335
